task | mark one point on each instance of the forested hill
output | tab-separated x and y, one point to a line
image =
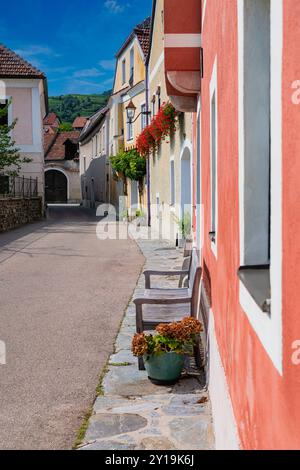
68	107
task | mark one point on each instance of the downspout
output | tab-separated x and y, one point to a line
148	158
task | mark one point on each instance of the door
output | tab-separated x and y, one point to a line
56	186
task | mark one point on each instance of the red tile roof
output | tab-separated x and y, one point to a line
79	122
48	140
56	150
14	66
142	32
50	119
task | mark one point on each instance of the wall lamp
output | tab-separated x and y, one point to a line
131	110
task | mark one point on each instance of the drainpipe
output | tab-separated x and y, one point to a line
148	159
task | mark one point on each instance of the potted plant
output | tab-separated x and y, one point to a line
185	228
164	351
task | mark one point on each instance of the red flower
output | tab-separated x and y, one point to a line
160	127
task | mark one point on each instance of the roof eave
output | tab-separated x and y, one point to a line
151	32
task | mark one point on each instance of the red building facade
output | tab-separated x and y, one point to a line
245	77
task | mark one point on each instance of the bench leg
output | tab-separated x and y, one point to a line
141	363
197	355
139	329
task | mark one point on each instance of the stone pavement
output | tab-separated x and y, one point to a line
131	413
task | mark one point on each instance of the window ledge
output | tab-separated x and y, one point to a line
256	280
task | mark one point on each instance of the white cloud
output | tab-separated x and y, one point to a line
93	72
108	64
36	50
107	82
114	6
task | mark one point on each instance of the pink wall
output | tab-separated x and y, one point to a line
22	111
265	404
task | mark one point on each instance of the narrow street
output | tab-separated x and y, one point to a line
62	297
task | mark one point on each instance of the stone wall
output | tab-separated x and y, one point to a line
16	212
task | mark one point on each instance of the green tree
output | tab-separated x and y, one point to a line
10	158
130	164
65	127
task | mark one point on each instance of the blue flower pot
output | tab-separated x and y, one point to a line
164	369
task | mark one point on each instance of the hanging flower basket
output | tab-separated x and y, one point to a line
160	127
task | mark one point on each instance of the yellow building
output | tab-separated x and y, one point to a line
129	88
171	164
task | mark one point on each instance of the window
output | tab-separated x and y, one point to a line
213	90
123	71
4	116
199	215
256	164
172	181
132	65
260	51
143	116
213	168
129	130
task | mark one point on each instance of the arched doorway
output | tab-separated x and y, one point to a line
56	186
186	183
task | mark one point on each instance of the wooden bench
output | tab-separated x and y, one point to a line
183	274
157	306
187	253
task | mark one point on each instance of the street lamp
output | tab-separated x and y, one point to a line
130	110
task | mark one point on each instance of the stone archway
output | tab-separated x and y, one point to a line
56	186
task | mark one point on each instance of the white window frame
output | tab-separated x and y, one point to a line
199	211
267	328
213	91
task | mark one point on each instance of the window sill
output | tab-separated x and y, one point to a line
256	279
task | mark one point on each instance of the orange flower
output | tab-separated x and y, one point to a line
139	345
182	331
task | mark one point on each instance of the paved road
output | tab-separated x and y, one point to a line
62	297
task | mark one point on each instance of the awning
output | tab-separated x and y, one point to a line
182	47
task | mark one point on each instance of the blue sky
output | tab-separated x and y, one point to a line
73	42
